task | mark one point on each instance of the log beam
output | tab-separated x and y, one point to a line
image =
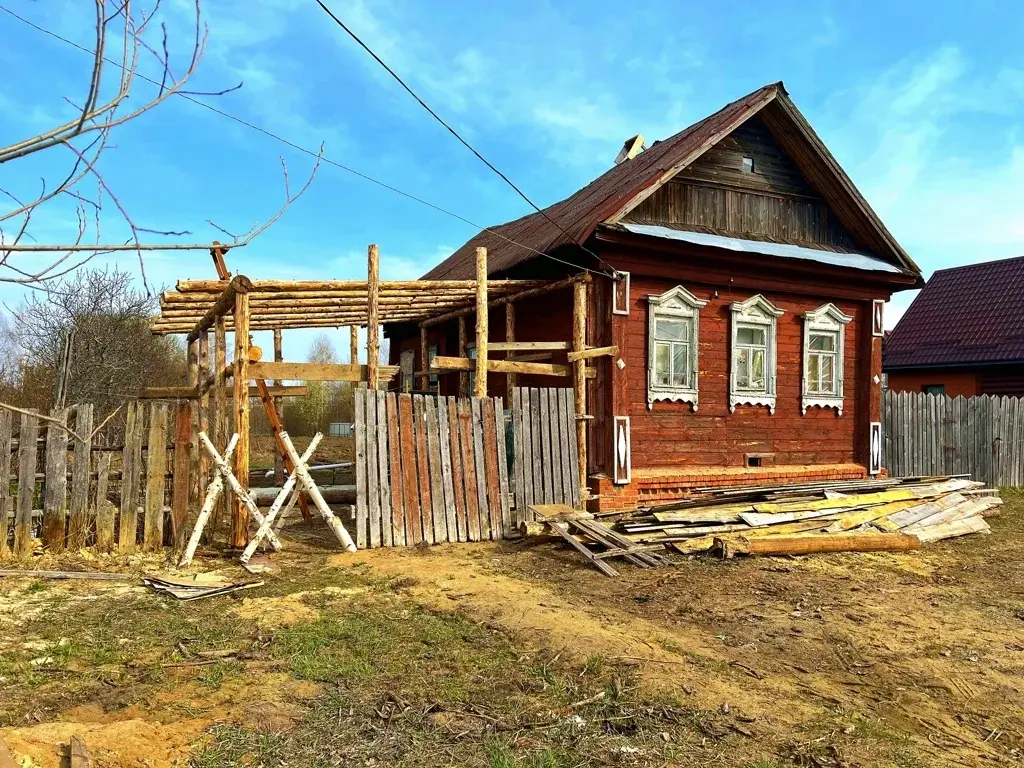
480	378
510	341
526	293
463	353
593	352
579	383
240	514
372	320
319	371
226	302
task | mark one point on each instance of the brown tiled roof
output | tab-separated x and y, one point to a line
580	213
964	315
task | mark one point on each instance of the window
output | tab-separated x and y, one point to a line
752	377
934	389
674	320
748	165
824	330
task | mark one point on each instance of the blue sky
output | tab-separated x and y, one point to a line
922	103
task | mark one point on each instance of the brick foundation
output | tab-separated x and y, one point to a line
660	485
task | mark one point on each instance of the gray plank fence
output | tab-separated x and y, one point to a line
980	436
111	492
429	469
545	468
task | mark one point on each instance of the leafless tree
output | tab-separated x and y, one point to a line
129	41
113	353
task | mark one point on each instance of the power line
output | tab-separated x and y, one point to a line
452	131
305	150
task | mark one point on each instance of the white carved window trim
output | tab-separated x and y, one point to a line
827	318
759	312
675	304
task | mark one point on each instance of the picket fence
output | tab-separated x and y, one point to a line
129	484
980	436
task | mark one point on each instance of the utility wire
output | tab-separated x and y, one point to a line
305	150
453	132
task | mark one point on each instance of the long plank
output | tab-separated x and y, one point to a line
490	439
574	466
566	440
469	469
423	469
156	470
316	371
395	472
413	524
458	474
130	476
387	527
27	437
480	457
104	509
372	464
529	495
55	509
516	403
558	489
79	524
362	489
562	530
447	483
545	436
437	512
538	451
500	429
181	463
6	510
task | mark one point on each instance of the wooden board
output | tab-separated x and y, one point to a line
104	509
490	460
422	469
6	508
79	523
130	477
516	404
55	486
465	413
387	528
363	434
156	481
371	462
413	525
437	512
481	469
447	478
458	471
27	437
505	497
398	492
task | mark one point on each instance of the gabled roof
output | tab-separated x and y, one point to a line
621	188
964	315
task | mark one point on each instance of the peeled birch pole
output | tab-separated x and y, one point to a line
213	492
307	484
285	492
814	543
480	378
244	498
287	509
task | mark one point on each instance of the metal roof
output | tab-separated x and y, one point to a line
784	250
573	220
963	315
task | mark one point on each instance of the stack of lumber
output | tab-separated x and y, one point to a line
871	515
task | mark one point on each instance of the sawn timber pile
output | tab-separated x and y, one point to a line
871	515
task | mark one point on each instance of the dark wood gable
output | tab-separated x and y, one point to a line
747	186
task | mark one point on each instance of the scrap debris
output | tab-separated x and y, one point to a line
196	586
888	514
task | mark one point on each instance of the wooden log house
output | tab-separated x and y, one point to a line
725	292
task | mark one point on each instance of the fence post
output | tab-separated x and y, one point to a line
55	483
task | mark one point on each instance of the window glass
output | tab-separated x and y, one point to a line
823	341
746	334
673	330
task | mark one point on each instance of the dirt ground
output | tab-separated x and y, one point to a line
512	654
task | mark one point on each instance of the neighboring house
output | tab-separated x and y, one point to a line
963	334
746	308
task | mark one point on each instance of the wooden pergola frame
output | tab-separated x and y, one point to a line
241	305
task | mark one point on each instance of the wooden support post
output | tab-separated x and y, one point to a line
278	402
6	439
55	487
463	352
240	380
203	415
510	338
181	461
220	411
353	345
78	525
372	328
480	378
27	438
193	381
424	364
579	382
